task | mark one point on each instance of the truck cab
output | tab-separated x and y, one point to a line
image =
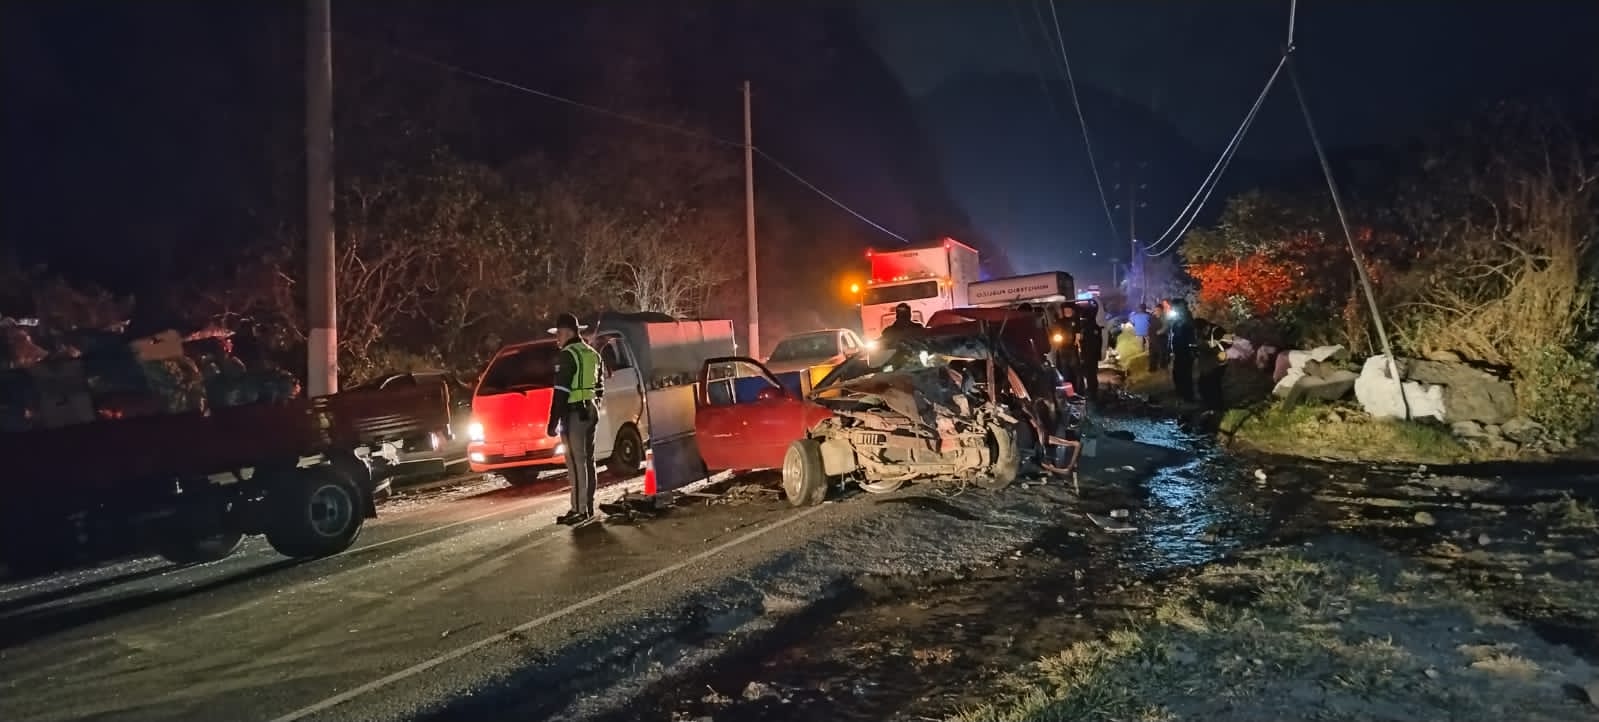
928	279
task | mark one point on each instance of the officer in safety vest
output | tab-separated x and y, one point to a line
574	412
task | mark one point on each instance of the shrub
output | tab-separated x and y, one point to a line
1558	390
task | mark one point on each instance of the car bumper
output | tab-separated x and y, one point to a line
495	456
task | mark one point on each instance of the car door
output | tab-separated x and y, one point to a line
745	419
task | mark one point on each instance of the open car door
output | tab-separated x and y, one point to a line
745	419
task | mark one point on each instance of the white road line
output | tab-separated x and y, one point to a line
460	652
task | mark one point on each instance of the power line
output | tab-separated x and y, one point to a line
1093	165
636	119
801	179
1213	178
1032	52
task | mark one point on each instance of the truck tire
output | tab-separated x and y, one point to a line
1007	459
179	547
314	512
804	479
627	454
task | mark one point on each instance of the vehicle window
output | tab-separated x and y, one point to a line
735	382
904	292
848	342
614	356
808	346
530	367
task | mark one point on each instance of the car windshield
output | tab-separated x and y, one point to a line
807	346
525	369
903	292
931	352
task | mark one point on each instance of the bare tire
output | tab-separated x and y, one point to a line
180	548
804	480
316	512
1007	458
627	454
882	487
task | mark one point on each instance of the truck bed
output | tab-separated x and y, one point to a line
102	455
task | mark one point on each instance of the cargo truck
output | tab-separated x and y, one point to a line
928	279
192	484
651	362
1034	288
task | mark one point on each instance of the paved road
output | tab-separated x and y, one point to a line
434	601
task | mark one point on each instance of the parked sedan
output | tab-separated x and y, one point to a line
802	359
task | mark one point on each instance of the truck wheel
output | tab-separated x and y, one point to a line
627	454
804	482
1007	458
181	548
315	512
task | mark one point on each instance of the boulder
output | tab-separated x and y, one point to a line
1470	394
1523	431
1381	397
1314	374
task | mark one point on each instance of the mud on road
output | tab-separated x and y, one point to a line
1424	593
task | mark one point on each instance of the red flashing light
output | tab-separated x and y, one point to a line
868	253
948	244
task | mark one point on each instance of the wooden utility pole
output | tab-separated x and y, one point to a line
749	226
322	368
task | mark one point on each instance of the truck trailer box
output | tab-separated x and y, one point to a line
1053	287
668	351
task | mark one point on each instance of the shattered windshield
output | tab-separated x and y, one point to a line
808	346
914	355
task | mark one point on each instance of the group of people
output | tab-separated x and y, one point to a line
1195	350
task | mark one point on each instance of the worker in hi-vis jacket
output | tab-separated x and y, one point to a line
574	412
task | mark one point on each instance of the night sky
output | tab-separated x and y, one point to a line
1163	84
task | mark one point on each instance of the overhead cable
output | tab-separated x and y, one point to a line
638	120
1071	84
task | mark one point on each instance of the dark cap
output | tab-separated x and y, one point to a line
569	322
902	308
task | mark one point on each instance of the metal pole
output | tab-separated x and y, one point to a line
749	225
321	293
1343	220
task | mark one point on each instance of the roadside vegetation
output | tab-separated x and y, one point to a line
1482	250
1340	432
1336	627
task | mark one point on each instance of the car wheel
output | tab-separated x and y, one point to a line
315	513
627	454
1007	458
804	481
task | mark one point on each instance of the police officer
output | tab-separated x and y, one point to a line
1183	343
574	412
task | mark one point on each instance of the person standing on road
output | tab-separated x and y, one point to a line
574	412
1159	346
1181	336
1139	320
1091	347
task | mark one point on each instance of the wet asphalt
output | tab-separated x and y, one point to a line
417	613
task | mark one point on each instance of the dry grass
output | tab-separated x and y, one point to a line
1316	431
1285	632
1515	287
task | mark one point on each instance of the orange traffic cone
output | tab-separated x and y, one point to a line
649	473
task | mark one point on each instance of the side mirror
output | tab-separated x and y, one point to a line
770	393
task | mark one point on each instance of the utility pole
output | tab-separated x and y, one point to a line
749	225
322	368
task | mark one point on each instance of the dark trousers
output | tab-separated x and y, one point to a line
1158	352
577	433
1182	374
1210	388
1088	371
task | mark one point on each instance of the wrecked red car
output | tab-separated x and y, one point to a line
931	409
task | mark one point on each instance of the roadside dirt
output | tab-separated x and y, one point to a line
1418	595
